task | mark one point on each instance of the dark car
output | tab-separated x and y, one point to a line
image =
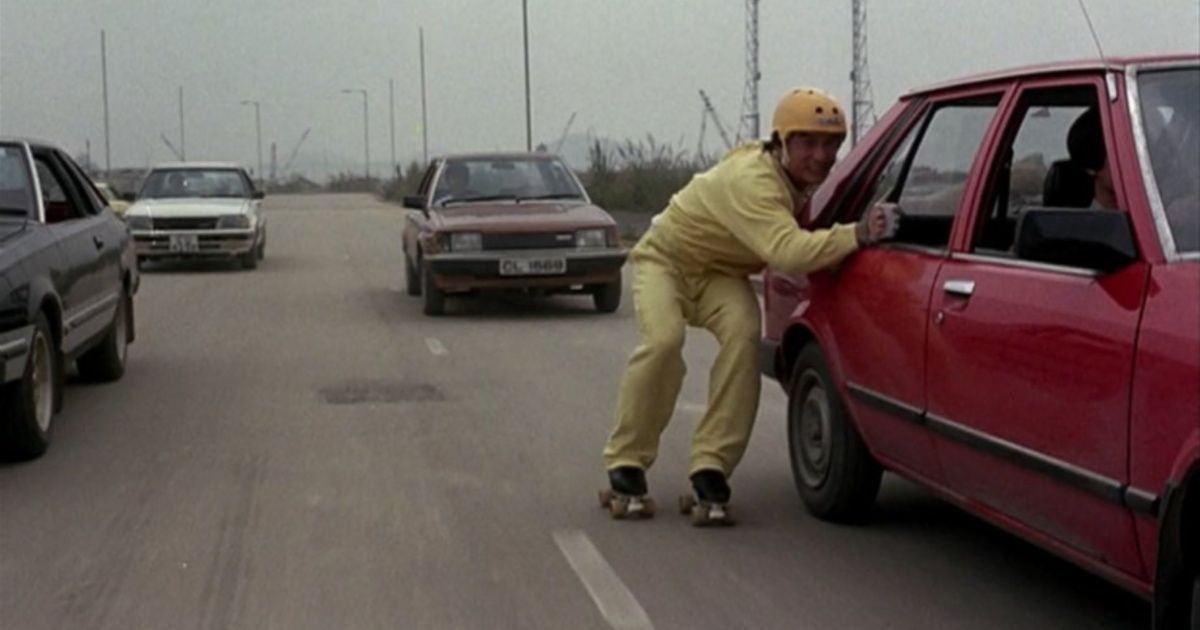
67	279
508	221
1028	345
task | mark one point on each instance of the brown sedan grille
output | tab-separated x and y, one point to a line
536	240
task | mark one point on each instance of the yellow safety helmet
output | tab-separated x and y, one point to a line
810	110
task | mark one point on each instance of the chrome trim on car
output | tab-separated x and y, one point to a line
1088	481
91	311
1165	237
13	349
962	288
37	183
1026	264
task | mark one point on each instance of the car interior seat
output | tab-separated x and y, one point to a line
1067	185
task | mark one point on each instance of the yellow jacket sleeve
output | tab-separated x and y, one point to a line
757	211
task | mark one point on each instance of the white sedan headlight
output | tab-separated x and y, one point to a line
138	222
234	222
466	241
589	239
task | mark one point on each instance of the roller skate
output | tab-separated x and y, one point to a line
626	499
709	505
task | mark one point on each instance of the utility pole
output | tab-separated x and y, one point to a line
257	133
863	107
749	128
528	108
104	81
424	116
392	113
366	131
182	144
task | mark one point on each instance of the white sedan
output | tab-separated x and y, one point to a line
199	210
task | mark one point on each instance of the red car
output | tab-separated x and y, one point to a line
508	221
1028	344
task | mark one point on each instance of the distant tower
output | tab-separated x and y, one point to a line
749	129
863	115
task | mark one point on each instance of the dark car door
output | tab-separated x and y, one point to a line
88	294
1030	364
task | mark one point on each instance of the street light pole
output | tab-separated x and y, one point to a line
182	144
366	130
392	115
104	80
257	133
424	115
528	110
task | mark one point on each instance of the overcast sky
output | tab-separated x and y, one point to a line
627	68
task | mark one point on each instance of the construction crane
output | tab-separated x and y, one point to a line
178	155
287	166
563	137
749	127
863	106
711	113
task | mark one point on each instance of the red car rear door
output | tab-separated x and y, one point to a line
1029	365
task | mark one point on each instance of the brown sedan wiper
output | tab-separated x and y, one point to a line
474	199
551	196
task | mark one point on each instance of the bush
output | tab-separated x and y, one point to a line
638	176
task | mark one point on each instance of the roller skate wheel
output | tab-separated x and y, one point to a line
617	508
699	515
648	507
606	497
686	503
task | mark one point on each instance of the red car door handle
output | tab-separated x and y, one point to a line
960	288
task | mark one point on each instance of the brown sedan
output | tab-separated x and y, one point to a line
508	221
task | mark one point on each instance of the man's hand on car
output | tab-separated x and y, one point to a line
878	223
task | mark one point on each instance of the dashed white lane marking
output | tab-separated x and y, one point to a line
618	606
436	347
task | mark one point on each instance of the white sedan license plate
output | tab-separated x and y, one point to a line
533	266
184	243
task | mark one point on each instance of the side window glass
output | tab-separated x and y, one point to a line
928	170
933	183
1052	152
93	200
61	200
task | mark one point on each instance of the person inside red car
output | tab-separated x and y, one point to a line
1085	144
692	268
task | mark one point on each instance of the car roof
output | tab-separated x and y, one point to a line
502	155
196	165
34	142
1113	64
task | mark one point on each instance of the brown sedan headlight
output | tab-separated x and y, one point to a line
466	241
591	239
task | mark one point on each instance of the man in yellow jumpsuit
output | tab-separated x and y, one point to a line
692	268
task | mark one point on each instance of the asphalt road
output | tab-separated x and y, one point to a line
298	447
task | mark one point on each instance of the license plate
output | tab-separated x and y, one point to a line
533	266
184	243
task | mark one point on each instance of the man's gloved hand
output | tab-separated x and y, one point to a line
879	222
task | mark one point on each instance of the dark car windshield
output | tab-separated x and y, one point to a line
465	181
188	183
1170	102
16	193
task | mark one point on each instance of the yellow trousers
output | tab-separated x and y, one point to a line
667	301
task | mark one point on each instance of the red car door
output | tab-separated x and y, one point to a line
872	314
1029	364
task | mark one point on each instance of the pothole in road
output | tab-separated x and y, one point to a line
361	392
